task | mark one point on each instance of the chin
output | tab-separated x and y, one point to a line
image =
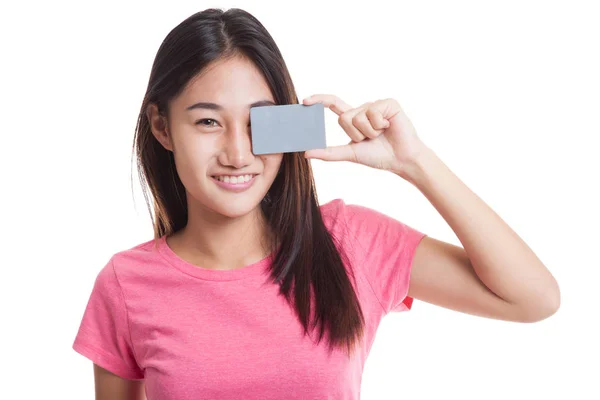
234	206
235	211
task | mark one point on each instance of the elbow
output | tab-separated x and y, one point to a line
544	308
546	311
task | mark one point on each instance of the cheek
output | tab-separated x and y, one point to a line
193	153
272	164
192	166
272	160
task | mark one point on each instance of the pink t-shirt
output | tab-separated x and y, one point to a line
195	333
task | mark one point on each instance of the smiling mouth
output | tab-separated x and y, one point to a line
234	180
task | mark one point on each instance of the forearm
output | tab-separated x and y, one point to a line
500	258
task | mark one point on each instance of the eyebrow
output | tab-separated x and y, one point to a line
217	107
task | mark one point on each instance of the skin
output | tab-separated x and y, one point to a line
109	386
495	274
225	230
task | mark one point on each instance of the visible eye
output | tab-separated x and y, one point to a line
200	122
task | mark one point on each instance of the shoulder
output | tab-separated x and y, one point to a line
136	255
337	210
369	229
128	262
382	246
340	215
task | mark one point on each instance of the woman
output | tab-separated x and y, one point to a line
252	289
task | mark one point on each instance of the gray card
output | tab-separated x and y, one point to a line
287	128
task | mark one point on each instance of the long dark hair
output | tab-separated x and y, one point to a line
308	259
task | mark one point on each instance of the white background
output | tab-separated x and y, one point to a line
506	93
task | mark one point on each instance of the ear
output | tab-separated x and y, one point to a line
158	126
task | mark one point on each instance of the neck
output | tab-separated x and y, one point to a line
215	241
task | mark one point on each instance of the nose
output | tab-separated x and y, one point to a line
237	147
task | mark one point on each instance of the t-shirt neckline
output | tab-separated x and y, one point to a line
255	269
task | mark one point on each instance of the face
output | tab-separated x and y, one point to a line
211	143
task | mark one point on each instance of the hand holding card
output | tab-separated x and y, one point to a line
287	128
381	134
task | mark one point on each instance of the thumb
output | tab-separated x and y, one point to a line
333	153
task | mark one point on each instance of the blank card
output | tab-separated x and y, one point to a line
287	128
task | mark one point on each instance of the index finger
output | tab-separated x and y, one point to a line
330	101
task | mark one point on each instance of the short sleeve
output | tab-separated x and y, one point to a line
386	249
103	335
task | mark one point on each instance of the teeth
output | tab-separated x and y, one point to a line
234	179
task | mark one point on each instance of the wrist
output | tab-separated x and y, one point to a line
419	167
